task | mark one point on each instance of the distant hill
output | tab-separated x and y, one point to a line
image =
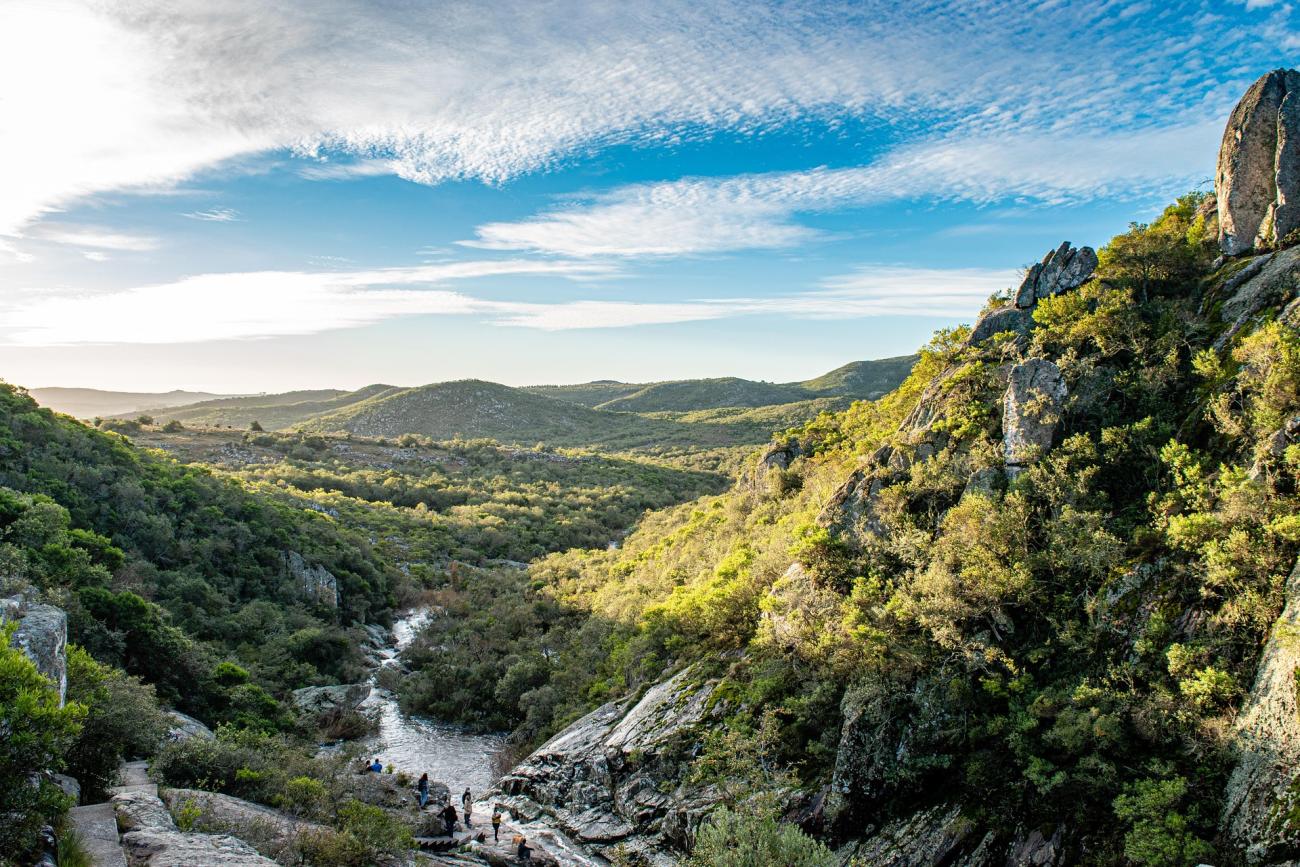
858	379
863	379
473	409
92	402
272	411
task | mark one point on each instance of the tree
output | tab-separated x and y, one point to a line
256	426
35	733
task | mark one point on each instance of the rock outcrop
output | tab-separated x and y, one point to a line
184	728
315	582
1263	793
1031	411
1257	181
1265	281
151	838
1061	270
42	634
611	777
269	831
326	699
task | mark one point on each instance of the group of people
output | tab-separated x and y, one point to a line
449	815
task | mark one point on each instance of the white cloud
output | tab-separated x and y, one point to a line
215	215
255	304
96	256
283	303
141	95
758	211
93	236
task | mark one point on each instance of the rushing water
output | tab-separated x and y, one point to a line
418	745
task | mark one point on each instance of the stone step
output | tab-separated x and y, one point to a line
151	788
96	825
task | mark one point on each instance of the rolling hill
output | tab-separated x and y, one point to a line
858	379
272	411
92	402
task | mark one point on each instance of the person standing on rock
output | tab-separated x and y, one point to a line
423	788
467	804
496	823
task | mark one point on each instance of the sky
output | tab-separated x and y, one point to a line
253	196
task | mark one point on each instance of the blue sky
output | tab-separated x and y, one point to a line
258	196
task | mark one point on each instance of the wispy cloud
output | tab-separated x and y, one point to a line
96	255
96	237
142	95
708	215
215	215
280	303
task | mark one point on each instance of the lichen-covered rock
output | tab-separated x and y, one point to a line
1014	319
184	728
1262	798
1061	270
1031	411
1266	281
150	838
326	699
929	838
42	634
601	780
315	582
1256	173
269	831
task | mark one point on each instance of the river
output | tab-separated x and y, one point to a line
417	745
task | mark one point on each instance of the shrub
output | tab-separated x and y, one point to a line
737	839
122	720
37	733
1159	834
375	829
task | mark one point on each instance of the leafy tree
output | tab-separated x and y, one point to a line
738	839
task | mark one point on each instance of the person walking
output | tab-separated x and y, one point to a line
423	788
449	816
467	805
496	823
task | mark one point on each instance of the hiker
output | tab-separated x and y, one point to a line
525	853
496	823
449	816
377	766
467	802
423	788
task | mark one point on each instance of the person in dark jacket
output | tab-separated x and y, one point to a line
449	816
423	788
525	853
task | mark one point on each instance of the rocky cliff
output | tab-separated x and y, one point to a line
1257	182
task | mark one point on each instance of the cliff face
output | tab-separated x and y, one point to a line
42	634
1261	810
1257	182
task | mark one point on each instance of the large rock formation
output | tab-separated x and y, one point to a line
326	699
1262	801
1031	410
611	778
42	634
1061	270
314	581
1257	182
269	831
150	837
184	728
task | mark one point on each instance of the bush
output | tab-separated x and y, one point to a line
122	720
737	839
375	829
36	735
1159	834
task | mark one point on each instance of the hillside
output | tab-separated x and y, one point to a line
1034	606
92	403
863	379
271	411
858	379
